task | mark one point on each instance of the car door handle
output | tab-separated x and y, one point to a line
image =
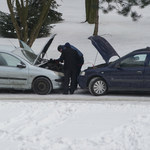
139	72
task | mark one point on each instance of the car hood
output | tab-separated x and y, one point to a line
103	47
42	52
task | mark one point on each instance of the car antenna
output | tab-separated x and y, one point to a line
12	43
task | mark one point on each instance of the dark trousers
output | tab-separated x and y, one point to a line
70	80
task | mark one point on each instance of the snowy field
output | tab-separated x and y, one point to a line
80	121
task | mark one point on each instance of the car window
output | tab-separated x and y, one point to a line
8	60
29	55
134	61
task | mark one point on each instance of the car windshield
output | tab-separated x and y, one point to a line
29	56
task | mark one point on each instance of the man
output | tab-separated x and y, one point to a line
71	60
81	58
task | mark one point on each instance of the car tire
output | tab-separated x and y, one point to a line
42	86
97	86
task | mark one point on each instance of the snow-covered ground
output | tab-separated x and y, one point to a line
80	121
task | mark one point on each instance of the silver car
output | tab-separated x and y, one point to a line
22	69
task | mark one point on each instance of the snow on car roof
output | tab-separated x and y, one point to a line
7	47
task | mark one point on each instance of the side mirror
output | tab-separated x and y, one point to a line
21	65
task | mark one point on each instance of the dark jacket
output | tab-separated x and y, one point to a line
68	45
70	58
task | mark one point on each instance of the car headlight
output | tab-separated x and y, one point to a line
60	74
82	73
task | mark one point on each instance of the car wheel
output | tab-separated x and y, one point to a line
97	86
42	86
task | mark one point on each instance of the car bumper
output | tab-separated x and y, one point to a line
82	81
57	83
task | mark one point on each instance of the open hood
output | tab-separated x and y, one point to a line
44	50
40	55
103	47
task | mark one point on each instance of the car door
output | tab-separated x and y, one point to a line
13	72
4	80
147	75
128	74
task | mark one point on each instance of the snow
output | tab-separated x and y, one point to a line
80	121
46	124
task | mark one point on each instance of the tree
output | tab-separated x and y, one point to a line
122	7
96	21
91	8
32	18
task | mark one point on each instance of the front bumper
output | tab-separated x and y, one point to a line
82	81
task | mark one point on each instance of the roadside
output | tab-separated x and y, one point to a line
80	95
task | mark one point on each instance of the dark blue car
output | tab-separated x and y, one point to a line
129	73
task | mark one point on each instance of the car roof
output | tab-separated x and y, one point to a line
147	50
6	48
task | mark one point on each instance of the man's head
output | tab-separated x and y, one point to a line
67	45
60	48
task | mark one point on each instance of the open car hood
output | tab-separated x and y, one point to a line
42	52
103	47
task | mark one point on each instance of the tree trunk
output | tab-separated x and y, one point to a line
91	8
22	10
40	22
87	8
22	28
96	19
14	21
